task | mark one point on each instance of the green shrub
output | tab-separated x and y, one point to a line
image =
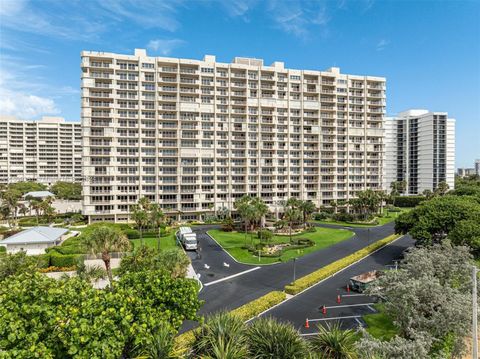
3	249
254	308
408	201
265	234
64	260
320	216
332	268
132	233
343	217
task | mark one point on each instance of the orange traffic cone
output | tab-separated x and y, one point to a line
348	288
338	299
324	310
307	325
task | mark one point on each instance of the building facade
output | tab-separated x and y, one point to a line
195	135
46	151
421	150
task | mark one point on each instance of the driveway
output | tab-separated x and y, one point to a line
232	292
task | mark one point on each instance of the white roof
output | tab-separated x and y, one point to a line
184	230
36	235
38	194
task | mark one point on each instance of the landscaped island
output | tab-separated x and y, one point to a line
303	243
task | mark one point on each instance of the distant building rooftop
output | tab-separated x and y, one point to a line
39	194
36	235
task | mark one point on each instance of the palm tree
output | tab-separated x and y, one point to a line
22	209
307	208
106	240
334	343
222	336
157	218
291	215
36	205
245	211
268	338
260	209
160	345
140	216
47	209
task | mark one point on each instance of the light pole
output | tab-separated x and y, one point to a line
474	314
294	269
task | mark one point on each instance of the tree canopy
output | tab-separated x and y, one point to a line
68	318
67	190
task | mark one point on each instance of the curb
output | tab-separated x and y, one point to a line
321	281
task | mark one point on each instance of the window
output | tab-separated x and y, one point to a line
294	77
208	70
147	66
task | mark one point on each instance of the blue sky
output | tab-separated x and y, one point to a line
428	50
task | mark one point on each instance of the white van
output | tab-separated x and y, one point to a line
187	238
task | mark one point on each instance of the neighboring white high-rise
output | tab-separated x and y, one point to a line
46	151
420	150
195	135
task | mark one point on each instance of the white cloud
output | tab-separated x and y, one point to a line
164	46
25	106
382	44
299	18
238	7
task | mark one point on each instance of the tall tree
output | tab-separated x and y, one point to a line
105	240
157	219
441	189
292	215
307	208
140	214
245	211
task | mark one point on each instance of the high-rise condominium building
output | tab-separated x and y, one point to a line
477	167
195	135
420	150
46	151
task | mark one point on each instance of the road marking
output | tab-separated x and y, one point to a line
231	276
369	307
351	305
334	318
354	295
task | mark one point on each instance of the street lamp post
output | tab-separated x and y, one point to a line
294	269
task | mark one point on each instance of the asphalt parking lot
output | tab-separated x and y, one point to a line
226	288
348	313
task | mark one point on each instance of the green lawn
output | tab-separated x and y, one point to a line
167	242
234	241
379	325
381	220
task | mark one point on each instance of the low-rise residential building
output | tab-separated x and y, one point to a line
34	240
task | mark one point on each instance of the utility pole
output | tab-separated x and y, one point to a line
474	314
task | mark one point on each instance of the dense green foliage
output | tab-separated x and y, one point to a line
428	295
67	190
334	343
68	318
268	338
408	201
434	220
173	261
18	263
25	187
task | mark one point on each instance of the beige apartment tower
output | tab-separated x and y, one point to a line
195	135
46	151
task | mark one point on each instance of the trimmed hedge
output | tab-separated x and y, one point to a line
64	260
244	312
259	305
322	273
408	201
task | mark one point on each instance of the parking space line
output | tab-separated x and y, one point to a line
334	318
351	305
354	295
230	276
